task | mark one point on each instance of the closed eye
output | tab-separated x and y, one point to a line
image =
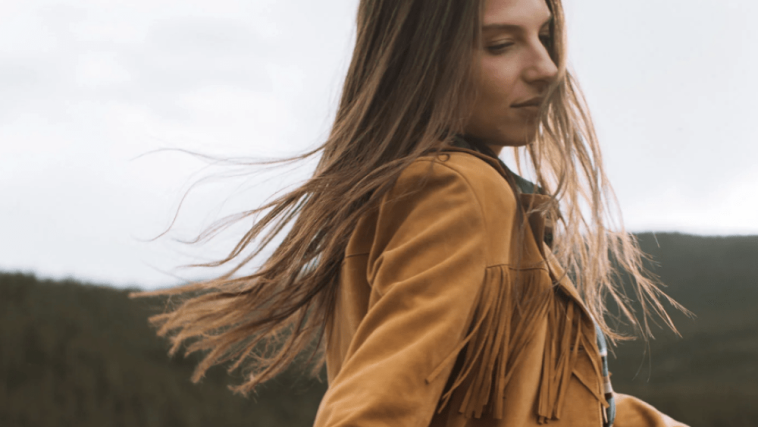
499	47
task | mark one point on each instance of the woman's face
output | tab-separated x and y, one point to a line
515	68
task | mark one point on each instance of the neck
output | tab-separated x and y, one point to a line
495	148
478	142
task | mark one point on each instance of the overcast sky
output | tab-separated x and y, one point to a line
90	89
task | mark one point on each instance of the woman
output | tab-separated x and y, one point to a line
431	276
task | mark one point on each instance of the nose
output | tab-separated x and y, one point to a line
541	68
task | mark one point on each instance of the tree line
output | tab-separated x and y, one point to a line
83	355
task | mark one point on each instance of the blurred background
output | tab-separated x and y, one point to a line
100	103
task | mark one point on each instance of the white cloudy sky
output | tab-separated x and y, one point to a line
90	89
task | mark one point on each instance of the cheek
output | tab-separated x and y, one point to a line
497	81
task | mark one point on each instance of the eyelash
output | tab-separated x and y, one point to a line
499	47
546	41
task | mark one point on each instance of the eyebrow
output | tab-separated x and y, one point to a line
510	27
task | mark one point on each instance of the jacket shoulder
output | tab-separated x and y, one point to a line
456	184
486	183
479	174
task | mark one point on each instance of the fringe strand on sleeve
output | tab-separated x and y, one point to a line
504	322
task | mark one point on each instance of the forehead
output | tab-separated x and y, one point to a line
515	12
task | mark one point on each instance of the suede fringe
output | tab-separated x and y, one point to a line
500	332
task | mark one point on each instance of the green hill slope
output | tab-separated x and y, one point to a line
83	355
709	377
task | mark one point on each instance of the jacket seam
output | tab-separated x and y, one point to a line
505	265
517	268
355	255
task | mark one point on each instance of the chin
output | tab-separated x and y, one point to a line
513	135
514	139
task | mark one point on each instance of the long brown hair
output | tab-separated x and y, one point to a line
407	91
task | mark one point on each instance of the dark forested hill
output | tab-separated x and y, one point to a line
709	377
83	355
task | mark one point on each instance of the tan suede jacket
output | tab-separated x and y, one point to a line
447	313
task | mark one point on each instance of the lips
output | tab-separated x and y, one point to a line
534	102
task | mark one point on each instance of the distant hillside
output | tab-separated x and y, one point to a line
83	355
709	377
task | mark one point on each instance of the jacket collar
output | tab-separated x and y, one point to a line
483	151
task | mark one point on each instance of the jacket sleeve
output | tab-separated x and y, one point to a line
426	269
633	412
